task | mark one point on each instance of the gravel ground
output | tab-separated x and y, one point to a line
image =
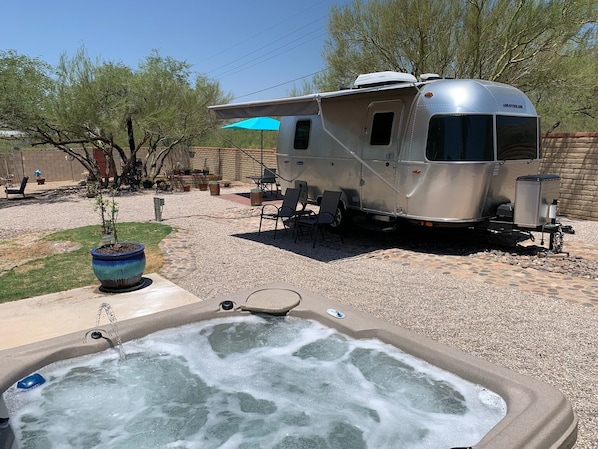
548	339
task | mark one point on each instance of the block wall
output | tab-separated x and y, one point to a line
574	157
233	164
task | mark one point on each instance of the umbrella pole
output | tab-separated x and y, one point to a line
262	149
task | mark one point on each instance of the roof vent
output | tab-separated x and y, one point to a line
429	77
383	79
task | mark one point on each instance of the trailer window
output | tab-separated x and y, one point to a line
382	128
460	138
516	138
302	130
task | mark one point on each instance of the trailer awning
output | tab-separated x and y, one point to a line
305	105
292	106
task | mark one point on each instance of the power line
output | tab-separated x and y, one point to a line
281	84
258	50
266	52
302	11
285	49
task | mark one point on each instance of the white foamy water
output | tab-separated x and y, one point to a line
252	383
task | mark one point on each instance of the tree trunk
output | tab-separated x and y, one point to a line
130	134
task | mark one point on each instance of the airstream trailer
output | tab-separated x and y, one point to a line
438	152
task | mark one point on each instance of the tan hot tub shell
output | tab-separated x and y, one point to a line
538	415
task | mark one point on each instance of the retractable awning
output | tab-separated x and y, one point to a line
304	105
292	106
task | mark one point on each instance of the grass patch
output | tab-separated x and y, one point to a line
54	271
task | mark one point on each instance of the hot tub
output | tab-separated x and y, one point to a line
537	415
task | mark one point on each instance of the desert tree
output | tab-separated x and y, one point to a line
88	104
535	45
24	83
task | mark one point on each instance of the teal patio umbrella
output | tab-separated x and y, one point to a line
257	124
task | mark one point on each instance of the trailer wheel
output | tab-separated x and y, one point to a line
340	218
556	242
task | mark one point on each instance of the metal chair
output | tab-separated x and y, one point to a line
286	211
267	181
20	190
325	217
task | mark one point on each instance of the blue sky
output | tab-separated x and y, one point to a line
254	48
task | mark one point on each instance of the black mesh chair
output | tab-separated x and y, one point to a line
286	211
325	217
20	190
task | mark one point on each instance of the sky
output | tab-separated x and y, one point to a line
257	50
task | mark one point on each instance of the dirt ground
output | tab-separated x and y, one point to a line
18	251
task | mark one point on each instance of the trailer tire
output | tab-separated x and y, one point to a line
340	219
557	241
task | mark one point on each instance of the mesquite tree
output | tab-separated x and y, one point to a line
546	48
86	105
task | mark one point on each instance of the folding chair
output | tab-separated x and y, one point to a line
326	216
269	180
287	210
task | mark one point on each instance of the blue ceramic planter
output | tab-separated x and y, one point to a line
119	270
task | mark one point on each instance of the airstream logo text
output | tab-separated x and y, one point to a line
510	105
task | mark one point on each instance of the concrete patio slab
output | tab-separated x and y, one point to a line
35	319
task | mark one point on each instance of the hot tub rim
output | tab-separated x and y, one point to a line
539	416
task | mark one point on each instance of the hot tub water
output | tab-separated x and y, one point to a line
249	383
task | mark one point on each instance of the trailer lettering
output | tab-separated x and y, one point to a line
510	105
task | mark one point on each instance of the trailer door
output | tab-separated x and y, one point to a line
380	152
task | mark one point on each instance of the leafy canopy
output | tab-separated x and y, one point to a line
546	48
89	104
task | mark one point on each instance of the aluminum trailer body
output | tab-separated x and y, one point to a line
446	152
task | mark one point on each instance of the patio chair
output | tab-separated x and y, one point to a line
325	217
20	190
286	211
267	181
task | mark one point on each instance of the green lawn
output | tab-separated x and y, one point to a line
58	272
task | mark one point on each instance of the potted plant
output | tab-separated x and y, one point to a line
163	184
38	174
177	169
200	181
117	265
147	183
203	183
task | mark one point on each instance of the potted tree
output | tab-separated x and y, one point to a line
38	175
117	265
177	169
203	183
